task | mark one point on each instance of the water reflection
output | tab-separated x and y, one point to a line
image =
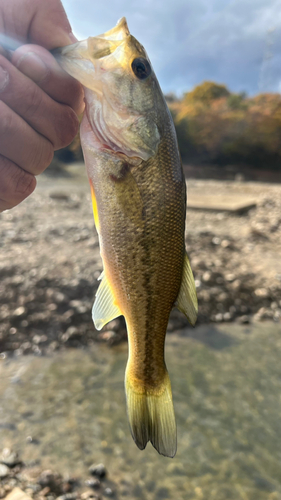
226	385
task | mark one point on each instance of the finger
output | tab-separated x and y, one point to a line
40	21
41	67
15	184
57	122
21	144
49	26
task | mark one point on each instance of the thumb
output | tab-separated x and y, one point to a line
49	25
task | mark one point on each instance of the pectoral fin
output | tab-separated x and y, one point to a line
187	297
104	308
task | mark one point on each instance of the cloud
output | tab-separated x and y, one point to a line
230	41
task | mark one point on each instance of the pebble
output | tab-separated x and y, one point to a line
245	319
207	276
46	478
89	494
68	496
20	311
93	483
261	292
47	304
108	492
9	457
218	317
216	241
98	470
4	471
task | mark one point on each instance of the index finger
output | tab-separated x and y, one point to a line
41	67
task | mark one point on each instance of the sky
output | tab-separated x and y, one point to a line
234	42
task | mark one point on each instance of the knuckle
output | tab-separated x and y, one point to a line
24	183
41	157
16	184
47	156
5	205
67	127
33	101
7	121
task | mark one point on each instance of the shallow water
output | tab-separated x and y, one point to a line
227	394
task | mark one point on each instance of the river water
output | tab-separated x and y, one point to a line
227	394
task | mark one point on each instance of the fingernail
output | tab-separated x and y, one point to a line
4	79
32	66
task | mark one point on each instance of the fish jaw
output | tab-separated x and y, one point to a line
122	107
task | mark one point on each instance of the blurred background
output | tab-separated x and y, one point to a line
62	403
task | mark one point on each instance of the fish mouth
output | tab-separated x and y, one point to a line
82	60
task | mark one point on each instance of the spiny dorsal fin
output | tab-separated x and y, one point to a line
104	308
187	298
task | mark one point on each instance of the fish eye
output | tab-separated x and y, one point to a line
141	68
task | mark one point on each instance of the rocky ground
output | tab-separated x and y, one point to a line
20	481
49	264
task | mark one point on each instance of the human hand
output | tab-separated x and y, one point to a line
39	102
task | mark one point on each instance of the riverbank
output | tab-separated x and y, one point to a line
50	262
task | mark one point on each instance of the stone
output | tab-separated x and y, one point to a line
90	495
9	457
17	494
245	319
93	483
98	470
4	471
20	311
207	276
227	316
47	478
261	293
68	496
108	492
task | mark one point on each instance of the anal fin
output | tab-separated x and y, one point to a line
187	298
104	309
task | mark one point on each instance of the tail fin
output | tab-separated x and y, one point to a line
151	416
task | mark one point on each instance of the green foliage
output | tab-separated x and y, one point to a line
216	126
206	93
237	101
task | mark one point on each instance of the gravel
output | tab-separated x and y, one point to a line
23	481
50	263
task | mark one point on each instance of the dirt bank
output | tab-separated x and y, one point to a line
49	264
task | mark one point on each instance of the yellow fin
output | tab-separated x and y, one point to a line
104	308
95	207
187	297
151	416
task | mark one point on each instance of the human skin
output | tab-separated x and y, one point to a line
39	102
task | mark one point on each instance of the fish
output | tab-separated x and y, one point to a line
139	203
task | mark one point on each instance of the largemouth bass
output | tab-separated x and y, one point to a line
139	203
